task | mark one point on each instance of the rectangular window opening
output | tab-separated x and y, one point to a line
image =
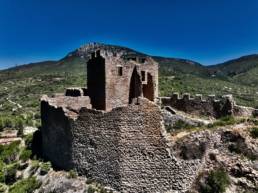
120	71
143	75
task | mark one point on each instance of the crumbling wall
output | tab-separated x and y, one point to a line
125	148
198	106
56	136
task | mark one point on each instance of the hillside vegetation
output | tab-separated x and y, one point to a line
21	87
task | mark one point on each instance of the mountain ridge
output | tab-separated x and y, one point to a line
228	68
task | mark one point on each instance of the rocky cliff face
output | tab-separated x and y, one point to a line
231	148
85	50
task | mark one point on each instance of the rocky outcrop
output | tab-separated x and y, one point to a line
240	166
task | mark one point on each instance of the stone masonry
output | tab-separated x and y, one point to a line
125	148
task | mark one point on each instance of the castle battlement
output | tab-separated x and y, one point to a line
211	105
198	97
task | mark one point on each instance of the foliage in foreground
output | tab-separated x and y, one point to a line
72	174
25	186
9	153
16	122
45	168
224	121
254	132
179	125
216	182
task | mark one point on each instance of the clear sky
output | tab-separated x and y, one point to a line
207	31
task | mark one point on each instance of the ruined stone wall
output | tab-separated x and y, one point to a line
56	116
56	136
224	106
198	106
125	148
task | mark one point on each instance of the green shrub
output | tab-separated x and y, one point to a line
91	189
89	181
2	171
25	186
20	127
35	164
253	120
216	182
45	167
29	121
180	124
8	123
103	190
3	188
72	174
97	188
25	154
9	153
224	121
254	132
10	173
1	124
28	141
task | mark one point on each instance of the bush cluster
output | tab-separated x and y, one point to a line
224	121
216	182
254	132
45	167
179	125
9	153
25	154
72	174
97	189
16	122
26	185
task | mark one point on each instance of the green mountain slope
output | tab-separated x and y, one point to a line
22	86
170	66
236	66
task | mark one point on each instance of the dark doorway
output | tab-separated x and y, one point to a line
135	86
148	89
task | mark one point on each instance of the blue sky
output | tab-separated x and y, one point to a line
207	31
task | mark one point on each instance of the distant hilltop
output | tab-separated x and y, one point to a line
87	49
228	68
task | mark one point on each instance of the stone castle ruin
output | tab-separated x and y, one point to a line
113	130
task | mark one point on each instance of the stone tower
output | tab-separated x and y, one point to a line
114	79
